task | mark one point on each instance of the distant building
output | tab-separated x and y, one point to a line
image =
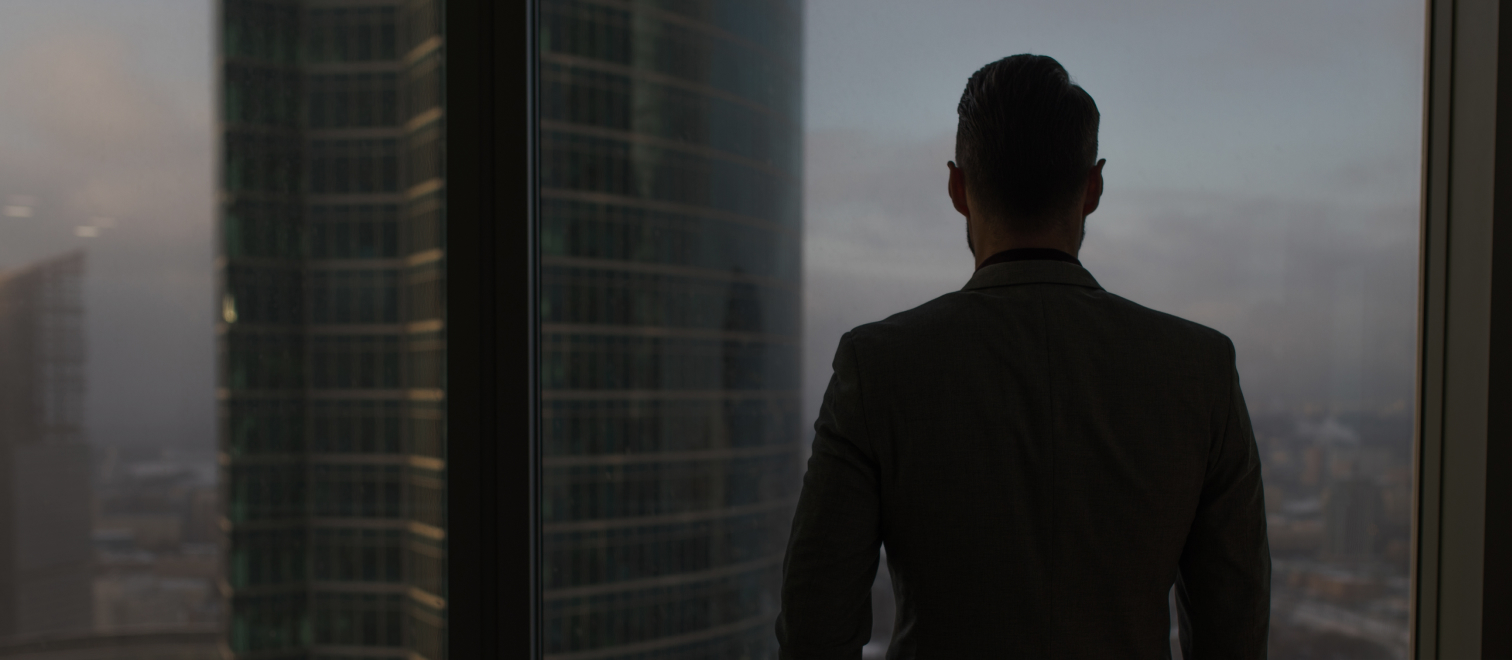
45	518
331	336
1351	515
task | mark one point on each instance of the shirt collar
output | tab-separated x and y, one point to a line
1031	271
1028	254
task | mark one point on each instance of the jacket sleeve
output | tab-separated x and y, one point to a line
1223	588
832	551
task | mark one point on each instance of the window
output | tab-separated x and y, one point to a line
287	368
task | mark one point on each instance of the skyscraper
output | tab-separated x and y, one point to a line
670	305
331	331
45	552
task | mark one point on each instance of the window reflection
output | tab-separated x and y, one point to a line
669	339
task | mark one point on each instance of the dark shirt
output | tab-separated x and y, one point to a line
1027	254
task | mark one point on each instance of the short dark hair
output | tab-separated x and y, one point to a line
1025	139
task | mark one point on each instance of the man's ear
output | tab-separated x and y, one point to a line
957	186
1093	195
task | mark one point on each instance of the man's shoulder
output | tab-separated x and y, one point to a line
958	311
1176	327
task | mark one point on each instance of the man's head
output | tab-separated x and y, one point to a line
1026	150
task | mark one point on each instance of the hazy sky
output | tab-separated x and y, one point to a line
1262	172
1262	177
106	113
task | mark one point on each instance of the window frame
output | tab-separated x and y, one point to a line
1462	441
1461	603
493	588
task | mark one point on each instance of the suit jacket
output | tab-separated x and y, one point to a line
1042	460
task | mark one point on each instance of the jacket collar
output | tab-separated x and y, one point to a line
1037	271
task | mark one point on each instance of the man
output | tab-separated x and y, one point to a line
1042	459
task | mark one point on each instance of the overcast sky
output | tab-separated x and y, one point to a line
1262	177
1262	172
105	112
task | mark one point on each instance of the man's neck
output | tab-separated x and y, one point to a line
988	237
986	249
1028	254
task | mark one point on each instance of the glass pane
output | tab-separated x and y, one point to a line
671	323
222	325
728	186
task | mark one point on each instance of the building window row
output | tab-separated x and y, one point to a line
591	230
276	295
354	231
350	34
356	491
355	362
423	86
359	619
354	166
426	299
358	555
263	361
419	20
601	165
277	229
598	557
572	361
262	163
354	296
261	95
260	30
427	635
263	228
426	154
426	424
355	427
264	427
582	624
265	492
352	100
600	492
266	557
756	641
263	294
609	297
427	361
583	428
425	228
605	100
269	622
427	564
427	496
589	30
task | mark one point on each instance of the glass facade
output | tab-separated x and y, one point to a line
671	229
331	327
